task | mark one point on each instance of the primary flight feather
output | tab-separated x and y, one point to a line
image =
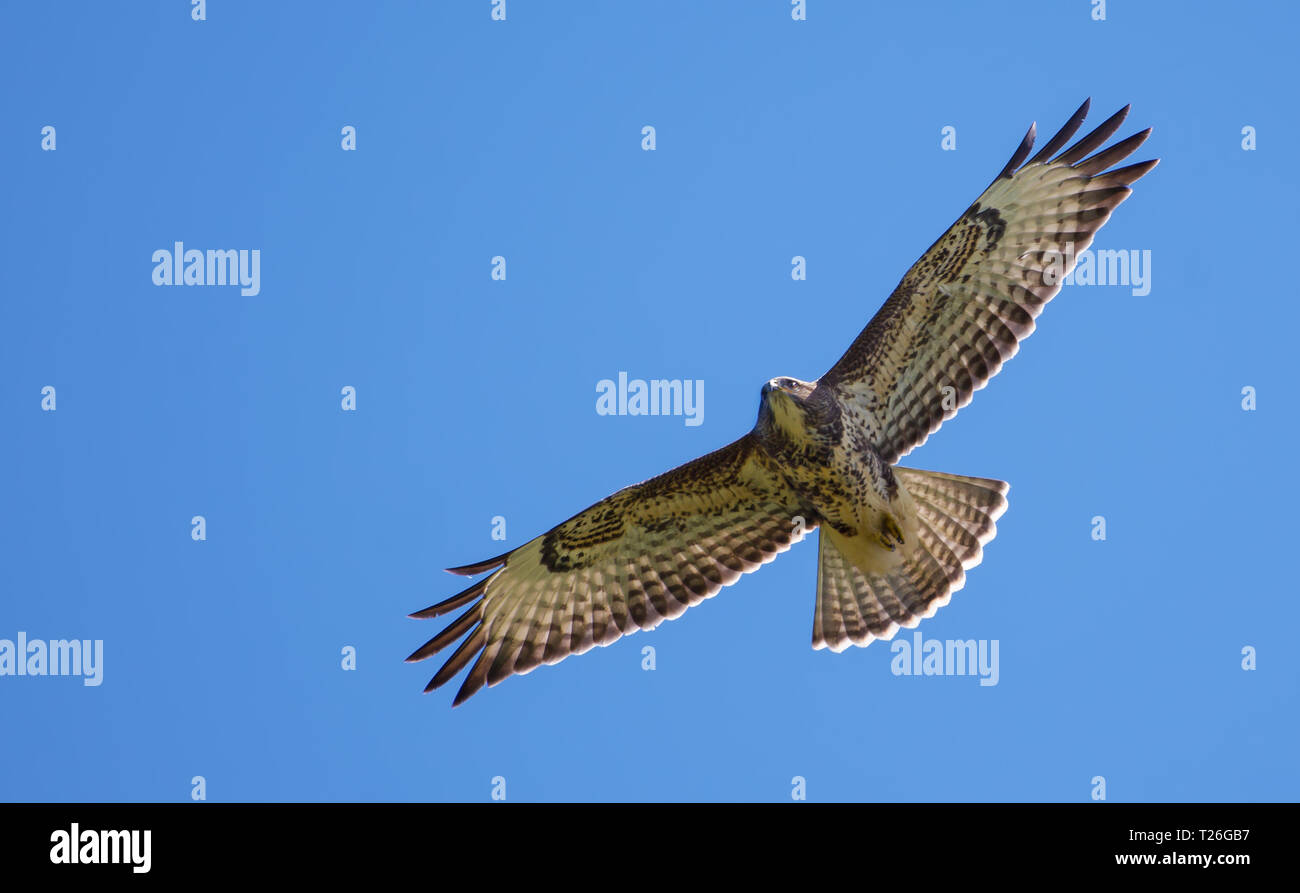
895	542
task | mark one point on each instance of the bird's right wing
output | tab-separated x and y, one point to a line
962	310
631	561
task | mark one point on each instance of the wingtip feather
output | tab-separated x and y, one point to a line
469	570
1063	135
1021	153
1094	139
446	606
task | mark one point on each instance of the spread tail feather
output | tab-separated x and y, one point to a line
956	517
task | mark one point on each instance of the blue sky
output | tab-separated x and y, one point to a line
476	398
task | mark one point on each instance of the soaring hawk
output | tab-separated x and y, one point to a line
895	542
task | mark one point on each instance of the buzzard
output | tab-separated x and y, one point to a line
895	542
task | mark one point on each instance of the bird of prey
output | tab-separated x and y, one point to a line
895	542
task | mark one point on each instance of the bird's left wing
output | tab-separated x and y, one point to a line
631	561
964	307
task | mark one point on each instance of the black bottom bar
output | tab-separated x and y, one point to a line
498	841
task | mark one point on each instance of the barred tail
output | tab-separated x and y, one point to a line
956	518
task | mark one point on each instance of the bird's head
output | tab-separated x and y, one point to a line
784	398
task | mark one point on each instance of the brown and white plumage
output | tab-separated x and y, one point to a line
629	562
895	543
956	518
964	307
